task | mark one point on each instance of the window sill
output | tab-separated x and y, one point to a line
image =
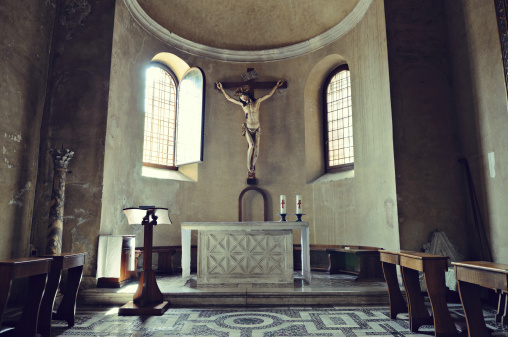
157	173
329	177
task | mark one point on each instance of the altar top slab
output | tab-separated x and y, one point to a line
246	225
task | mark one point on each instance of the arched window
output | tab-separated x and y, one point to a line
174	115
338	121
160	117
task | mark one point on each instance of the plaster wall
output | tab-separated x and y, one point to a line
25	41
75	118
250	25
430	185
359	210
480	96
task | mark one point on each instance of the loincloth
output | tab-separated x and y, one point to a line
256	131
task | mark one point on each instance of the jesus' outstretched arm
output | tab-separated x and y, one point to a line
219	86
279	83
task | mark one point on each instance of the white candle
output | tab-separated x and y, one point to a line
298	204
282	204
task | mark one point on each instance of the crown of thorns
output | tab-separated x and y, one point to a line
244	89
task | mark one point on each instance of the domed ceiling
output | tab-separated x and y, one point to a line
247	24
248	30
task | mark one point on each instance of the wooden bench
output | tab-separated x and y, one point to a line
433	267
319	258
335	259
362	261
36	269
471	276
389	262
166	256
502	308
73	262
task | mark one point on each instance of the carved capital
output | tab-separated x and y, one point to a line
61	157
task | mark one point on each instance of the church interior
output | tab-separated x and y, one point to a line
429	112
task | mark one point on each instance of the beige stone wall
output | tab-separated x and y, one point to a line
359	210
430	184
480	92
75	117
24	49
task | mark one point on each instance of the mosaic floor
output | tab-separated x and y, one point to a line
241	322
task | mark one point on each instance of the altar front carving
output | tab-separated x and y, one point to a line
245	252
257	256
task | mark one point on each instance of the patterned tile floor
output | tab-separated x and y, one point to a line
251	322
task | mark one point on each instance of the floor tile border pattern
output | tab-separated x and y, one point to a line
251	322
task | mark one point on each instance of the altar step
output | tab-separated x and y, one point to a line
201	299
324	290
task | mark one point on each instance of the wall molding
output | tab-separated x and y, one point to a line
265	55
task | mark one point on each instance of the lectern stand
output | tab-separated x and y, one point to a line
148	299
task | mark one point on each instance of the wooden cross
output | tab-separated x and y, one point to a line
253	85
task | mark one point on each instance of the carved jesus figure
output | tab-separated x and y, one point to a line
251	128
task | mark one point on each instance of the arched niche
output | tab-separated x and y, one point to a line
265	202
176	64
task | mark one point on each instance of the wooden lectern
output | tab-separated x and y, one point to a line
148	299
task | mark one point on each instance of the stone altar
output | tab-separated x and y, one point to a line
245	252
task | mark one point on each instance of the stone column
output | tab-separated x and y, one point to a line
61	159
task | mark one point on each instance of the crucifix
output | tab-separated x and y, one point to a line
250	105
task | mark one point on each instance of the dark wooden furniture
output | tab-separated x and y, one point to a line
433	267
125	273
319	258
137	254
148	299
389	261
166	256
472	275
362	261
502	308
36	269
73	262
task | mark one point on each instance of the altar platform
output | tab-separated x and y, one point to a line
340	289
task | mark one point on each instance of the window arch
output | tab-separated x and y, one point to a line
174	114
338	121
160	117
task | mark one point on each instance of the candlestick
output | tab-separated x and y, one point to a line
299	217
298	204
283	204
282	217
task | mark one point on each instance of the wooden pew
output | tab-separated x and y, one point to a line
502	308
362	261
319	258
166	256
472	275
389	262
433	267
73	262
36	269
